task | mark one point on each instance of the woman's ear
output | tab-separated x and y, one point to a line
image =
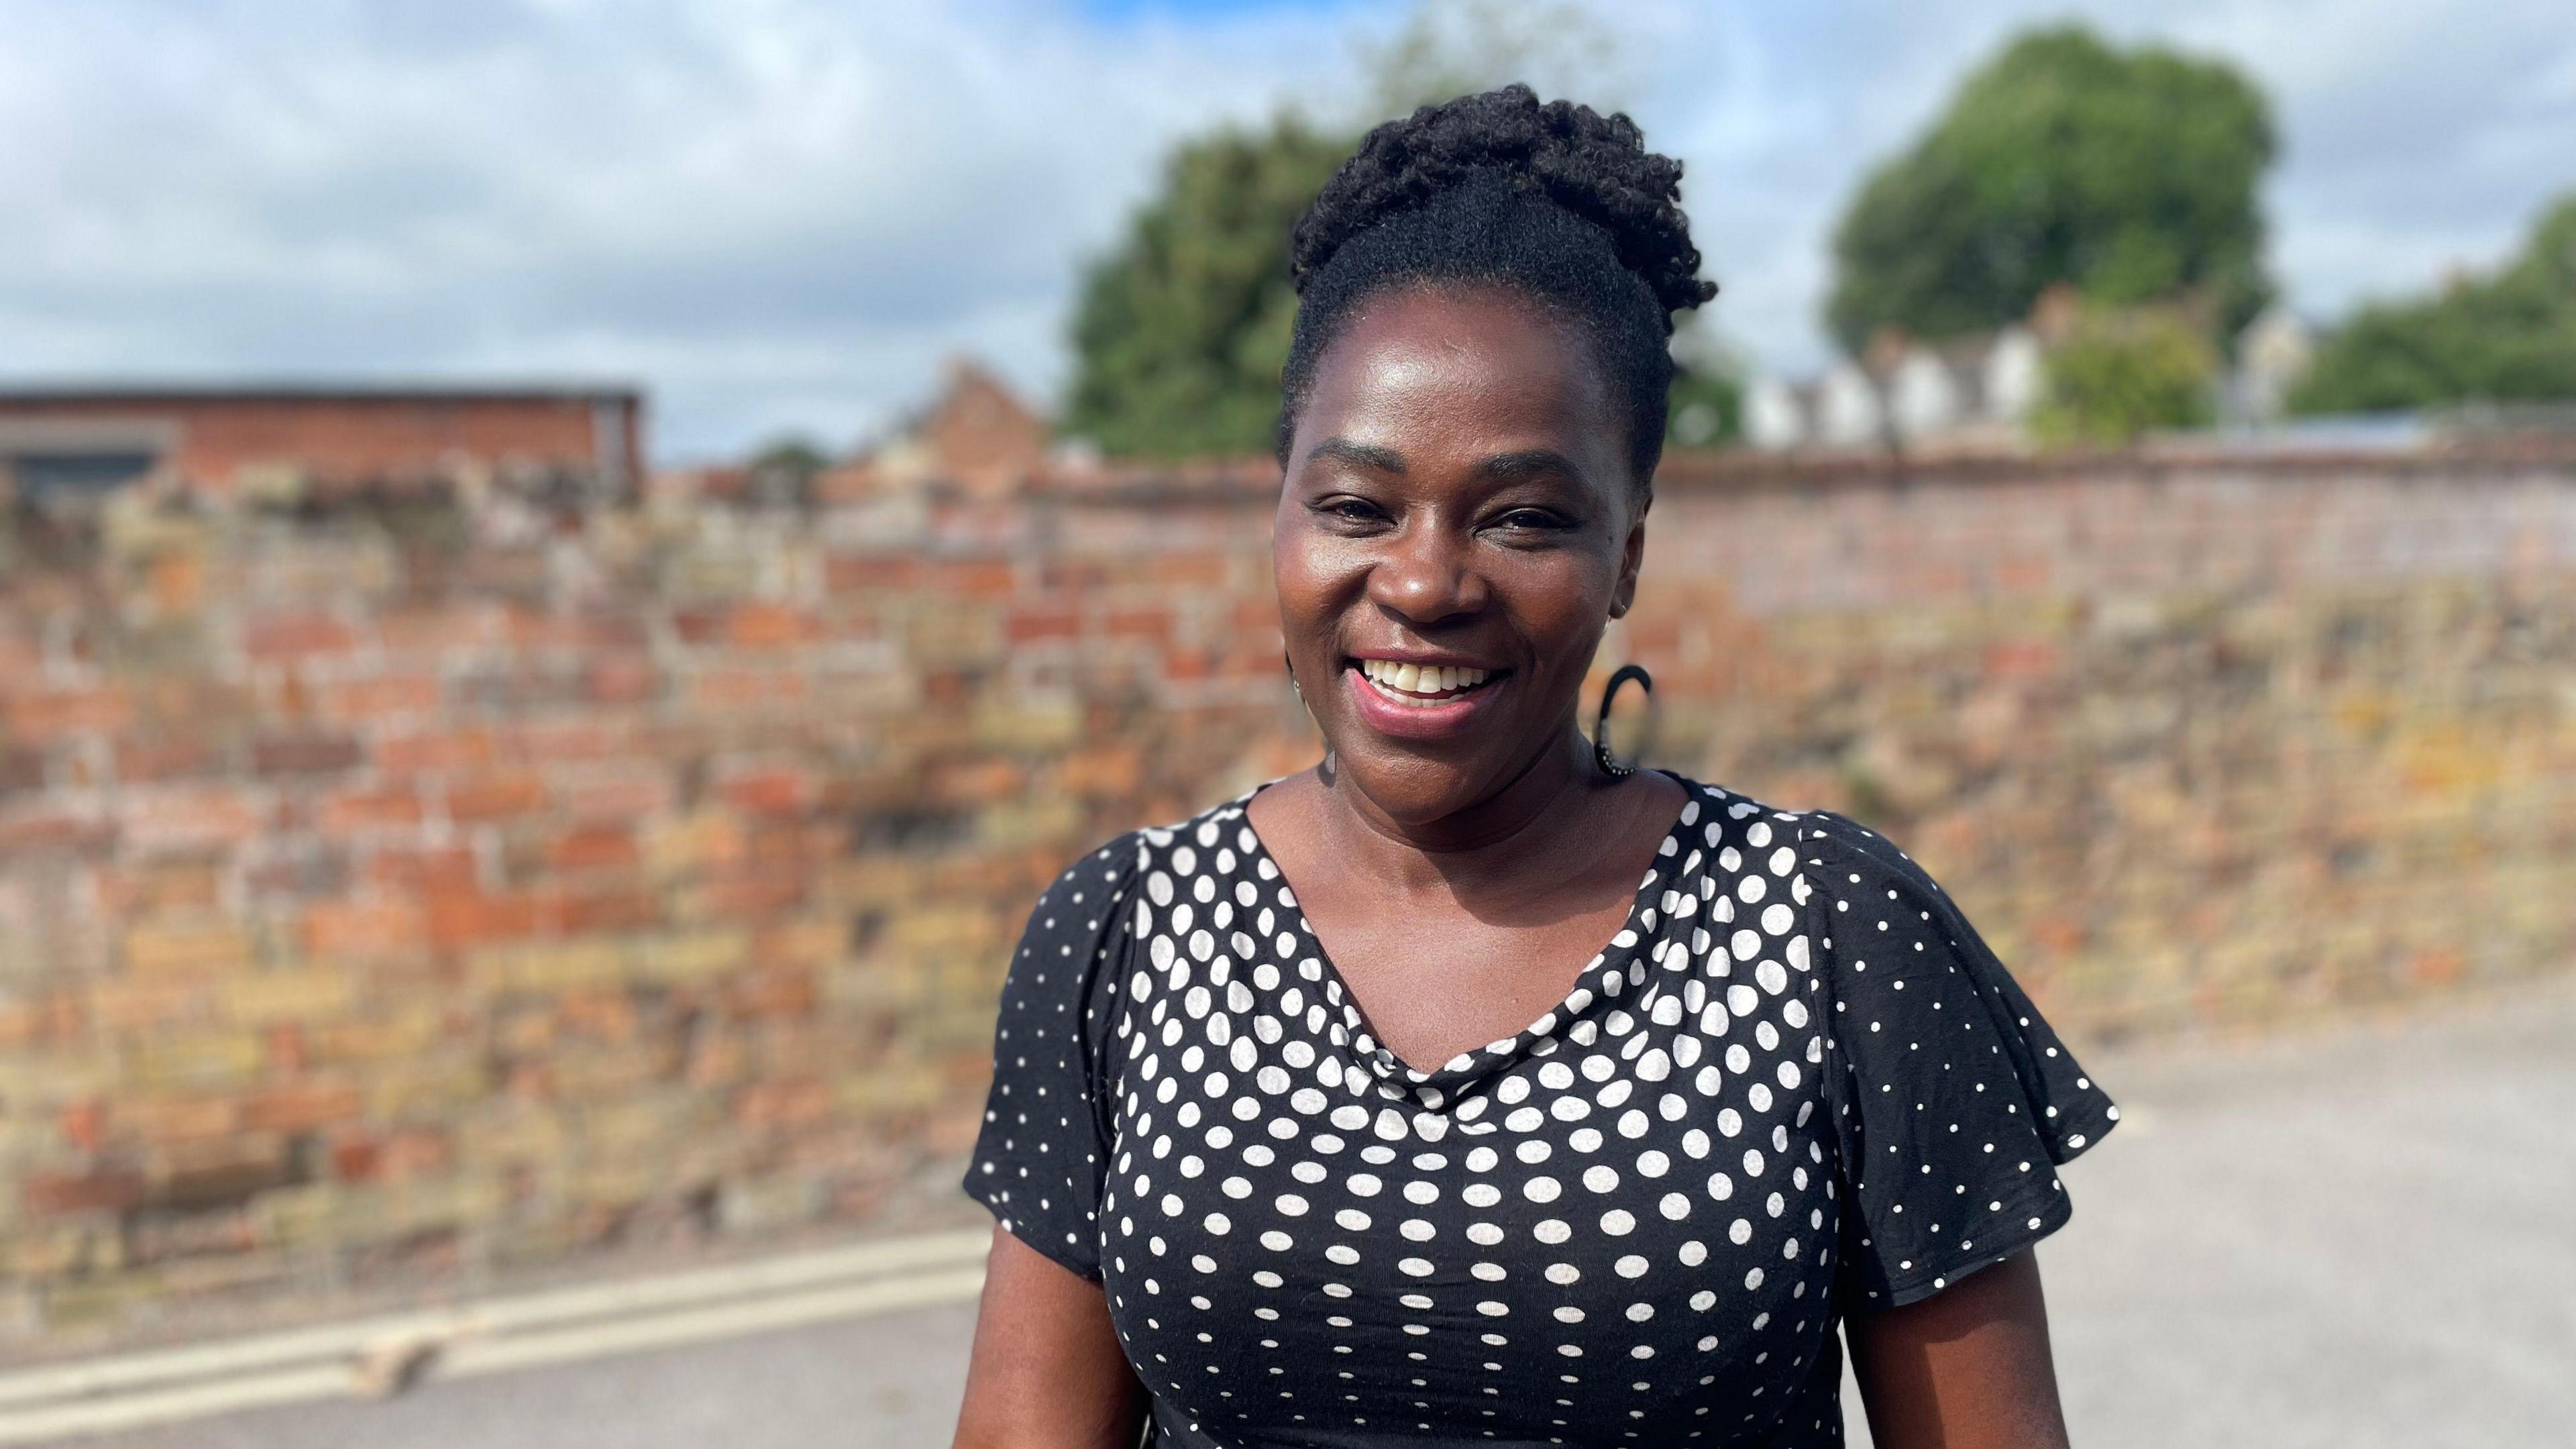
1632	558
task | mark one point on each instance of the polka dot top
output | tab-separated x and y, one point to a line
1794	1085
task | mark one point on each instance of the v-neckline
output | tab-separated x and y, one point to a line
1592	985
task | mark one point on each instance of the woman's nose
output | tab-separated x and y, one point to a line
1427	576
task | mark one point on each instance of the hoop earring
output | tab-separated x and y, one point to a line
1609	763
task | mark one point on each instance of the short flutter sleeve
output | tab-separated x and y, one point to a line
1954	1102
1042	1156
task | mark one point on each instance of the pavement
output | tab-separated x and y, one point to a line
2348	1237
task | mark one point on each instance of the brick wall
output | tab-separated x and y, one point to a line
383	895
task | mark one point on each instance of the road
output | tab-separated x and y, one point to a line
2349	1238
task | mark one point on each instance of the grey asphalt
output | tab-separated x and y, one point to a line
2352	1237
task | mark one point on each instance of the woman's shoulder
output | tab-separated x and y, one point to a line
1838	842
1841	864
1120	866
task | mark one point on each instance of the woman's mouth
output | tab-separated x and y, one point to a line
1420	686
1420	701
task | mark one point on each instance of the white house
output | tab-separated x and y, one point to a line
1847	411
2273	354
1775	415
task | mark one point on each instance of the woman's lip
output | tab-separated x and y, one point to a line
1415	721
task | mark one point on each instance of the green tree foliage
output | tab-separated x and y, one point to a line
2129	174
2509	337
1179	334
2122	373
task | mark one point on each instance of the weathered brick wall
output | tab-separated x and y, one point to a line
390	894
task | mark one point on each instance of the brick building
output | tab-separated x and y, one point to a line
58	441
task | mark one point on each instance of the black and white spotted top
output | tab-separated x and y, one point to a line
1795	1085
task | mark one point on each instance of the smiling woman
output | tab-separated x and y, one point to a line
1462	1089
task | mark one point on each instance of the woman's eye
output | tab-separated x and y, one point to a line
1525	520
1355	510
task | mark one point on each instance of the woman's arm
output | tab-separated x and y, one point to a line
1967	1368
1048	1372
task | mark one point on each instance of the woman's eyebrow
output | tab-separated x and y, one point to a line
1528	463
1365	455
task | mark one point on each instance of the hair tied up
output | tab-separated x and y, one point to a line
1594	166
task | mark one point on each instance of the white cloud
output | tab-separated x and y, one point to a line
783	212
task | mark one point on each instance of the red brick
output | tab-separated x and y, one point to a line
109	1190
1151	624
455	749
415	1152
1031	623
363	930
601	846
770	626
424	868
718	688
356	1159
630	679
573	741
44	831
2021	659
189	818
789	1103
1186	570
609	909
621	798
274	638
300	1106
438	631
161	1121
753	897
126	1004
770	791
771	991
348	812
471	918
304	754
83	1124
495	797
387	697
38	716
168	757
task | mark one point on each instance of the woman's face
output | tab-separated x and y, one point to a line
1457	526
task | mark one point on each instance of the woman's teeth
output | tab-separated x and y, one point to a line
1420	683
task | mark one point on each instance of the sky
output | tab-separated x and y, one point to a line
783	215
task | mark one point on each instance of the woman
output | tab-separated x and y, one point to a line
1329	1118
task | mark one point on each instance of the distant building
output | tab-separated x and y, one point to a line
1977	394
1967	393
976	436
70	441
1848	412
2273	355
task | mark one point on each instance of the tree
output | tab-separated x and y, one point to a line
2119	374
1180	333
2509	337
2129	174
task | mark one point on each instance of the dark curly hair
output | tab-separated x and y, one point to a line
1555	201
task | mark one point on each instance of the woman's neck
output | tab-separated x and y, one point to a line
1556	801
